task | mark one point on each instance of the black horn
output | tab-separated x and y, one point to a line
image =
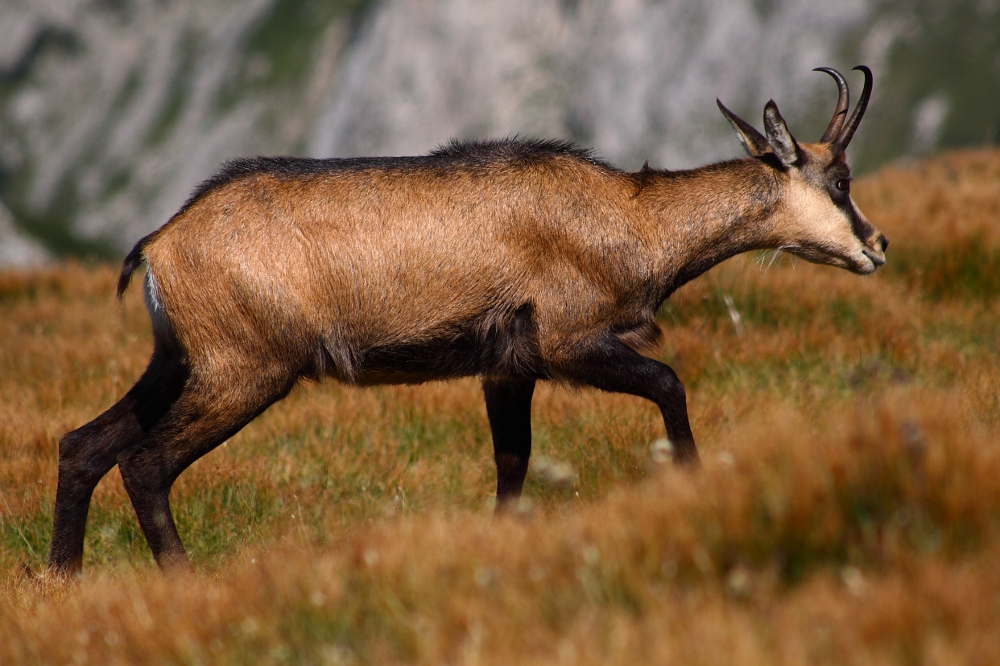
844	103
859	111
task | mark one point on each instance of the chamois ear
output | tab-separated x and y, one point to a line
778	136
752	140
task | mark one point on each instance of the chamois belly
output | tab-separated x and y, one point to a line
498	342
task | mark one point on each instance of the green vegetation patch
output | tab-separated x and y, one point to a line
968	269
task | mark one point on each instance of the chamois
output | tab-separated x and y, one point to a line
511	260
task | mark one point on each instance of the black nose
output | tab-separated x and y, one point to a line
885	243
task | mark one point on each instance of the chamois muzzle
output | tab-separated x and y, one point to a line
876	258
875	249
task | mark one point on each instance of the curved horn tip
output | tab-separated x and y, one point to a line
847	133
843	102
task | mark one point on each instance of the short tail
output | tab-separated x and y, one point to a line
131	264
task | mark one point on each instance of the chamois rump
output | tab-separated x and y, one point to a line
511	260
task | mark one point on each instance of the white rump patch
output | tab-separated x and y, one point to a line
151	294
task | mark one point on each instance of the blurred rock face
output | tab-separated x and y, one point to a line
111	111
635	79
18	250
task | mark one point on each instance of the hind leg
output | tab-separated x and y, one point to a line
89	452
203	417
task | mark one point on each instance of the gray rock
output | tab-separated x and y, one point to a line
16	249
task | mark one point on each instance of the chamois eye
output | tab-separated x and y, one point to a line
843	184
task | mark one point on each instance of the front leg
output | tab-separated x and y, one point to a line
508	405
612	366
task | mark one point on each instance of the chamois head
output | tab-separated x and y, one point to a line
817	219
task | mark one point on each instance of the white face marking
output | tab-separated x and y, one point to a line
814	228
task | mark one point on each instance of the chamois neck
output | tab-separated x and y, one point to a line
701	217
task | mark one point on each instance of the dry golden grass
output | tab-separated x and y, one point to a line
848	510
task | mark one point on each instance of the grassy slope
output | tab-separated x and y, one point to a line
848	509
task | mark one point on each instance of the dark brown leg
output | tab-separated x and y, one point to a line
85	456
508	405
89	452
201	419
612	366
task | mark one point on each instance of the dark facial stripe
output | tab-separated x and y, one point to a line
862	229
